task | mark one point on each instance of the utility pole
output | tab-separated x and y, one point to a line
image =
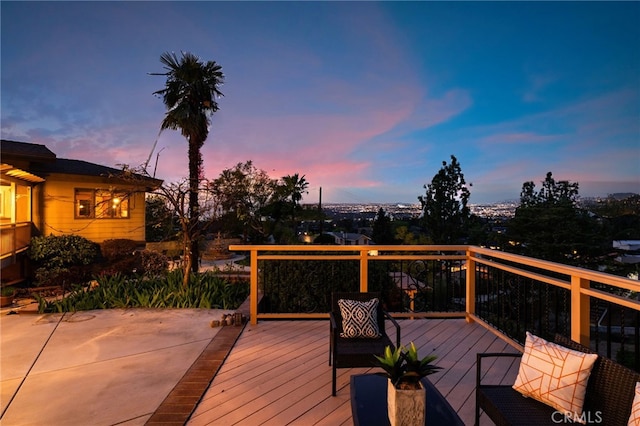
320	211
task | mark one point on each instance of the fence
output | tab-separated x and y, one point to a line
511	294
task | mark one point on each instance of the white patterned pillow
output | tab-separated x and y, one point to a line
359	319
554	375
634	418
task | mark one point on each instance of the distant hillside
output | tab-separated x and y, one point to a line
622	195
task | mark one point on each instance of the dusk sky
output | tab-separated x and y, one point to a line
366	99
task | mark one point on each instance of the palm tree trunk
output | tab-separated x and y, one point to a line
195	163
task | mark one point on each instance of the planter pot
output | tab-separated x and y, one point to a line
406	407
6	301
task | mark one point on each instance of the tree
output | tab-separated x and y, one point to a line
552	193
444	206
292	188
621	215
190	96
241	194
160	220
382	229
548	224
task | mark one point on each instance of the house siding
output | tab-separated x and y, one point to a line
59	217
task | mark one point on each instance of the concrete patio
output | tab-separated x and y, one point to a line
101	367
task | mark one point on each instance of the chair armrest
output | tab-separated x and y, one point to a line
479	357
396	325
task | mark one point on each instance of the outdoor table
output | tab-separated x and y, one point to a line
369	403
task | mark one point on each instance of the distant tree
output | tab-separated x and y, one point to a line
612	206
550	225
325	239
479	230
444	205
382	229
552	193
190	96
621	216
292	188
241	194
404	236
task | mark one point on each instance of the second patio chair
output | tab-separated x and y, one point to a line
358	334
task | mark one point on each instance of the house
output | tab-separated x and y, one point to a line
629	251
41	194
349	239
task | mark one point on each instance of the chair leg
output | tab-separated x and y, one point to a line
330	342
333	382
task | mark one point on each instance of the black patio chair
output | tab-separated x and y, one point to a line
351	352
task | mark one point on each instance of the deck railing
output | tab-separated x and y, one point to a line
14	239
509	293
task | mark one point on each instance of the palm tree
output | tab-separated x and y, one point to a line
190	95
294	187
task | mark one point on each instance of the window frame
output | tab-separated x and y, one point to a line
102	204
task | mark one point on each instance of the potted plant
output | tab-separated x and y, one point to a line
6	296
406	397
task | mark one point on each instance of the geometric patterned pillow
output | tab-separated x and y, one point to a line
634	418
554	375
359	319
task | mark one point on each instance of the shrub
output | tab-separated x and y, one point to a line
122	257
118	249
63	276
153	263
63	259
127	267
62	251
8	291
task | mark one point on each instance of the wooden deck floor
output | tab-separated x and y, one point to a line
278	373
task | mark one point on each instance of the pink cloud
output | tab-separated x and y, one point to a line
330	149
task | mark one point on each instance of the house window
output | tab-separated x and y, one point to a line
101	204
83	203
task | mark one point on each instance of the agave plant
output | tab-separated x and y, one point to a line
404	367
392	363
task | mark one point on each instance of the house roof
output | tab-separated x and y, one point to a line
28	151
77	167
85	168
42	162
17	156
628	245
349	236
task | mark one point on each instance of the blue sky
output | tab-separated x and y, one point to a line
366	99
